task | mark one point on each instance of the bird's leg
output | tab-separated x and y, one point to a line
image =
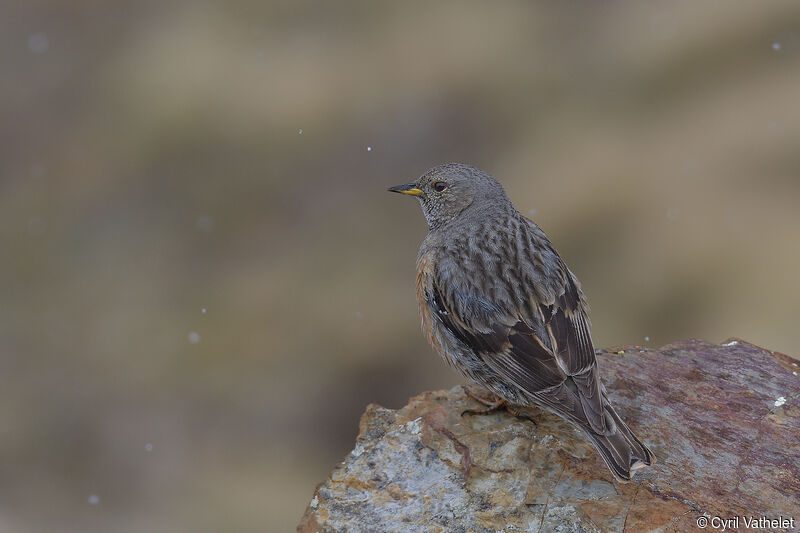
483	396
519	414
492	401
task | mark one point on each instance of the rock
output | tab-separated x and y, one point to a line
723	421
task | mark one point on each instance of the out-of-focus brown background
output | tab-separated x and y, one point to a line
203	281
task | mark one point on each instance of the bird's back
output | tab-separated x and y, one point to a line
499	304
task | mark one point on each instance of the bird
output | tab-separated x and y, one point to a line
499	304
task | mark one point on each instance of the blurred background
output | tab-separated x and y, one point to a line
204	282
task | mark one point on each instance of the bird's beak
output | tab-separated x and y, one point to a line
408	188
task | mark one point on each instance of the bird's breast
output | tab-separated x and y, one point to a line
424	286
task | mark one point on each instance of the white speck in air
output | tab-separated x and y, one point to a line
38	43
780	401
37	226
193	337
776	46
205	223
300	131
647	339
532	212
203	310
94	499
148	447
37	170
673	213
369	148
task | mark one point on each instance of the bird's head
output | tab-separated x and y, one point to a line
448	191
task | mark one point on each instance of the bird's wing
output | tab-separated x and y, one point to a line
509	346
567	323
539	341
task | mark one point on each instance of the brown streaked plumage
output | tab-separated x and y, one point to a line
499	304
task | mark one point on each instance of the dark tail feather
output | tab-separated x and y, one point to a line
622	451
618	446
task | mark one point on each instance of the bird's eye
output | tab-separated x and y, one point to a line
439	186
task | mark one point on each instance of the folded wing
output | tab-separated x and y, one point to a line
542	348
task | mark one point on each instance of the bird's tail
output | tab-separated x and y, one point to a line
622	451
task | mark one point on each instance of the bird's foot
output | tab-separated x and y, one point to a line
492	402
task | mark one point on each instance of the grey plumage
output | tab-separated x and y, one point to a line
499	304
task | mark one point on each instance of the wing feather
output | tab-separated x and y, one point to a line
514	351
541	343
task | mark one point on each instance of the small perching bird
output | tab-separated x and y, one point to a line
499	304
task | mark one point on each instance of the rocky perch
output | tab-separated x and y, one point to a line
723	421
